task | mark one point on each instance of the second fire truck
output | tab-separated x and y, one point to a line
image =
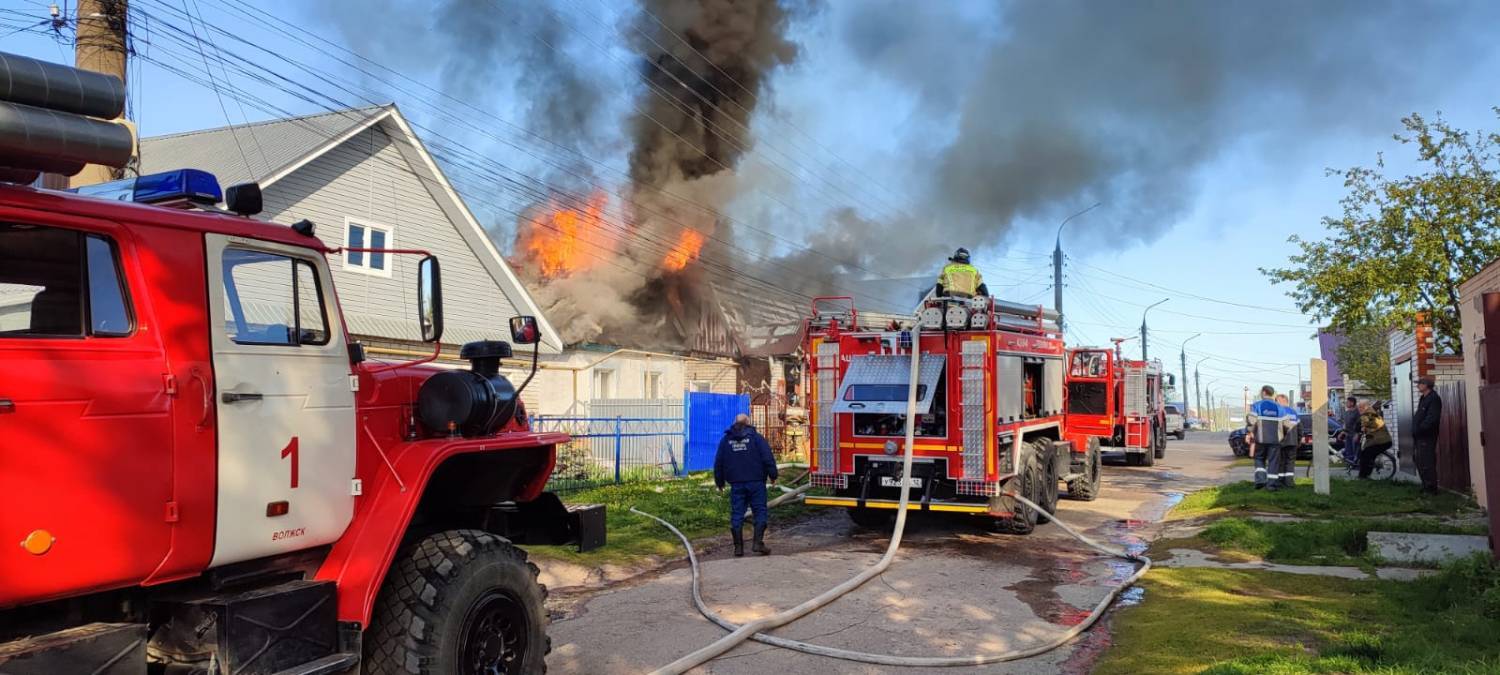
990	412
1117	403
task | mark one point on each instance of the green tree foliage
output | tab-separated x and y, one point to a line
1404	244
1365	355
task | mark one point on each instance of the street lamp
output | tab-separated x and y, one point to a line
1184	369
1143	325
1057	264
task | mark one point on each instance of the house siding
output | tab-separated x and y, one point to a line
1471	320
367	179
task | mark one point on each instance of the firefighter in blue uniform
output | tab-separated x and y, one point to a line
1286	461
744	461
1264	420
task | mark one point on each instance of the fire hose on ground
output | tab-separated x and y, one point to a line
754	630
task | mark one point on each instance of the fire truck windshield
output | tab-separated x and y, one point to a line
1087	398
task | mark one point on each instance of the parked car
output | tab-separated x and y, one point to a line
1176	423
1304	429
1241	448
1237	443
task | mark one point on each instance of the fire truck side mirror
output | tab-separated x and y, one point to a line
430	299
524	330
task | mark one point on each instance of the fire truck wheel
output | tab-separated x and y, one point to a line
871	519
460	601
1161	444
1086	488
1042	452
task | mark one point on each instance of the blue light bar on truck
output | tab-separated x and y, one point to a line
165	188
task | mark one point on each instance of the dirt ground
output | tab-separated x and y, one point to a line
953	589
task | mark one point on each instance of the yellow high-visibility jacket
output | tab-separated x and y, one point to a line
960	279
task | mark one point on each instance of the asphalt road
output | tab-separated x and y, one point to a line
954	589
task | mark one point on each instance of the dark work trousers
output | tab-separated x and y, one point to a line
1367	455
1425	453
1260	464
1273	463
742	495
1288	465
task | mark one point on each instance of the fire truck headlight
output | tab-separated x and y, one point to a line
891	448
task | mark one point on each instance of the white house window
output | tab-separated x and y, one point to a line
604	383
652	384
360	234
703	386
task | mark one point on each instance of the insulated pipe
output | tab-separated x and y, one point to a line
745	632
57	87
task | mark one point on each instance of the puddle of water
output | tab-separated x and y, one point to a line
1131	597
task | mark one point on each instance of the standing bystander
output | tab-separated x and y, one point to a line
1424	432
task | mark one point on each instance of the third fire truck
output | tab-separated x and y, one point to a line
1117	403
990	412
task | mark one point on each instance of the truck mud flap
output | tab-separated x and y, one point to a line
547	520
1062	458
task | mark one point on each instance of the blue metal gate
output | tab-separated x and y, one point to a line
708	415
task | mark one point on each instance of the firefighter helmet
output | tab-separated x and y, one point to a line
961	256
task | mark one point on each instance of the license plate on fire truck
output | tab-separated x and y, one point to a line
891	481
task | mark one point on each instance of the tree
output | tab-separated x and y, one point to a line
1403	245
1365	356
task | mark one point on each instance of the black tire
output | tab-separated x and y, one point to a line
1181	435
1161	445
1023	520
1385	466
866	518
459	602
1086	488
1043	452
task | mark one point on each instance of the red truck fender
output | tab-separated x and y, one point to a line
359	560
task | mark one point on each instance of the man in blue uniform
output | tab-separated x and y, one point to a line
744	461
1284	468
1264	420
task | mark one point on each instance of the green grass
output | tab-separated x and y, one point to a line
697	510
1233	622
1348	498
1337	541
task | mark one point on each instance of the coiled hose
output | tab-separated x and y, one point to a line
753	630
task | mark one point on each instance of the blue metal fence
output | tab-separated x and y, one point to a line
637	440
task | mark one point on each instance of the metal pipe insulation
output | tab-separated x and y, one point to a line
57	87
741	633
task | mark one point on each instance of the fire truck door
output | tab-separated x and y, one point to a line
284	399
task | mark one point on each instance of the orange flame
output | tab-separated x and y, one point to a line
561	239
685	251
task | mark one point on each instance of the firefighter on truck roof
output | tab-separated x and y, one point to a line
959	278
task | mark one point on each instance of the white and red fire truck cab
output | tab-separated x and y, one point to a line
1118	402
990	410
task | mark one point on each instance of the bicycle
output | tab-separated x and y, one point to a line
1386	464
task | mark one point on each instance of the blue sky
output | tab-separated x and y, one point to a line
863	117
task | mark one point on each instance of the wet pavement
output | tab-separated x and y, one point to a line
954	589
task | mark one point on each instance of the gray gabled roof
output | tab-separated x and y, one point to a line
268	147
277	148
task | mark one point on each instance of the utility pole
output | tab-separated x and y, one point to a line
100	47
1212	421
1057	265
1185	373
1143	326
1198	388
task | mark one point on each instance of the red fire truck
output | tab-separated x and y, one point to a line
1117	403
989	405
200	472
